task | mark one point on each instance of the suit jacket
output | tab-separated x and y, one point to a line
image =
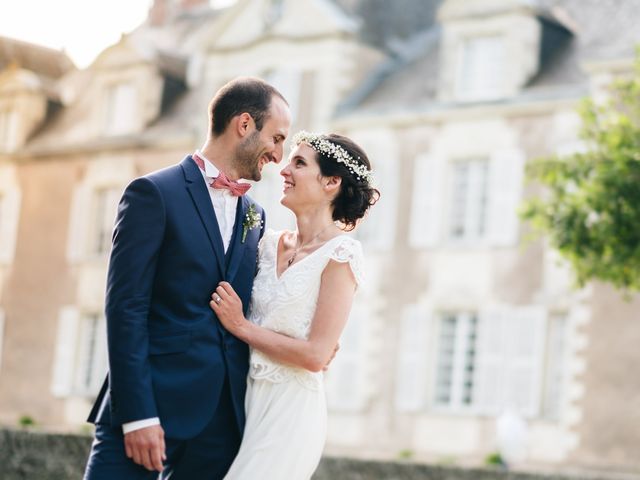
168	352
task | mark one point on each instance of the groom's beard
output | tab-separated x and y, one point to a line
248	157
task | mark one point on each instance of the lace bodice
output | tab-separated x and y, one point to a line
286	304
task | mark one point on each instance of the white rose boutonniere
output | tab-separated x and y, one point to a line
252	220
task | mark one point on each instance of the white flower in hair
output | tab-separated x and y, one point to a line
322	144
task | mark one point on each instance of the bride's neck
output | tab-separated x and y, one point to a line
312	223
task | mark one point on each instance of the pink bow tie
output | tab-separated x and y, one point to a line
222	181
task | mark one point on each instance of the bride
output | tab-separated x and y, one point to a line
300	304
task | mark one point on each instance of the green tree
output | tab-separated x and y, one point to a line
589	207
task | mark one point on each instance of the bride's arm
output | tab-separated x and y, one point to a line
332	311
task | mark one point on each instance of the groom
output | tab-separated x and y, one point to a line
173	401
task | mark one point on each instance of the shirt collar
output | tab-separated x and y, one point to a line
210	169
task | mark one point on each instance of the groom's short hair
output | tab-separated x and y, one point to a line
243	94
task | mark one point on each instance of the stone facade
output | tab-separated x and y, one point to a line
461	316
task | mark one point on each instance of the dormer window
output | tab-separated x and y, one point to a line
121	109
481	68
8	129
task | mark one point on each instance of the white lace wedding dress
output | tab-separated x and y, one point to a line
286	408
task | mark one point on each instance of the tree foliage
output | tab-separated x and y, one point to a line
590	204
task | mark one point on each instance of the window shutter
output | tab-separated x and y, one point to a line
288	82
379	226
79	224
9	218
505	191
65	354
524	359
307	97
428	195
345	375
510	359
489	378
122	109
1	335
411	374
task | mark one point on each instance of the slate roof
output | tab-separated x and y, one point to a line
46	62
577	32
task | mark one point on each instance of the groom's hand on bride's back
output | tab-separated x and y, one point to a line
146	447
333	355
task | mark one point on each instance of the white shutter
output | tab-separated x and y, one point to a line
510	359
122	109
379	227
79	224
288	82
9	218
101	365
411	377
65	354
505	190
345	375
524	359
489	378
1	335
427	201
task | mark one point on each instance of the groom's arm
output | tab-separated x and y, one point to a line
137	239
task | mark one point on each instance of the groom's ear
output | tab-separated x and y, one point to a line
243	124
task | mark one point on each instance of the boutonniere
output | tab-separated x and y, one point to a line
252	220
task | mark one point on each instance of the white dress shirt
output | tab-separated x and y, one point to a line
224	204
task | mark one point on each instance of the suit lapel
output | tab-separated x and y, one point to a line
202	201
236	246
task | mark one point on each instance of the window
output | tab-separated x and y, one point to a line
121	109
469	200
455	361
106	202
497	358
8	129
481	68
80	362
91	364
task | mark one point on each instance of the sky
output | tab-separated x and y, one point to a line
82	28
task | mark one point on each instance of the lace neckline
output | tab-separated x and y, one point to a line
276	260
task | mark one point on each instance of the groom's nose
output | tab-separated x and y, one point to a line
278	154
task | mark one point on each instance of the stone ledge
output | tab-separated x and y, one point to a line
33	455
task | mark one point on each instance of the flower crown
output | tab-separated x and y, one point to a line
323	145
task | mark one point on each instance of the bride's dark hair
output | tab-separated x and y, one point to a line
356	195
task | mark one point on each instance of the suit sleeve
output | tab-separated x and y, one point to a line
137	240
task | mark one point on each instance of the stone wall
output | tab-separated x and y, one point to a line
41	456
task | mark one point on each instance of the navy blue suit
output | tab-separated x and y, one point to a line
169	356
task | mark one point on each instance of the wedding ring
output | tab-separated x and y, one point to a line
217	299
